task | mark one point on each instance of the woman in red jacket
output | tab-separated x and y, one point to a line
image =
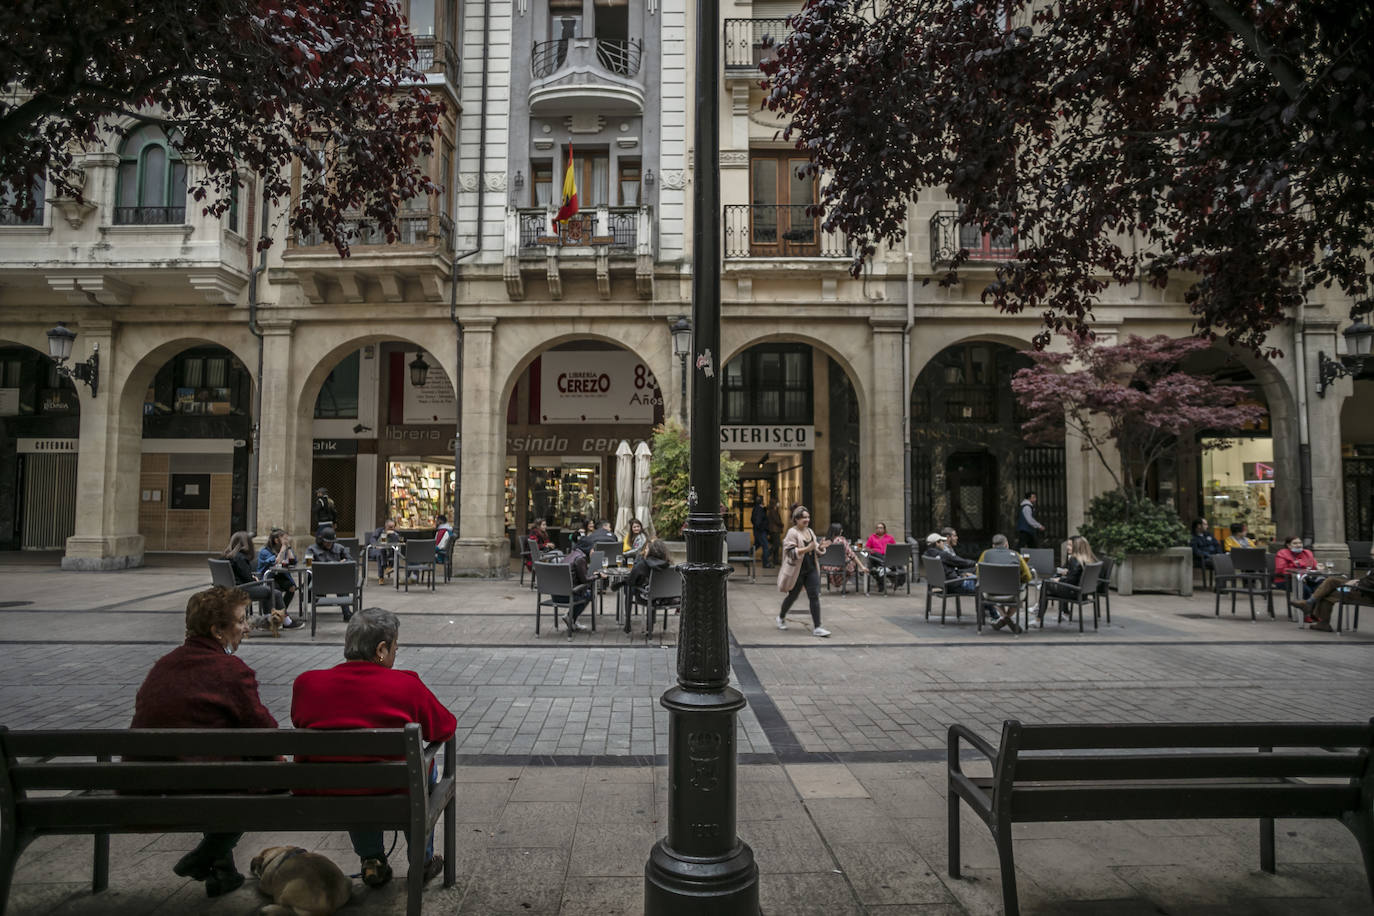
202	684
367	691
1294	556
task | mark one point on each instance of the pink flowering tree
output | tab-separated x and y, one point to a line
1132	398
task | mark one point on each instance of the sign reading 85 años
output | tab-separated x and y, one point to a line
798	438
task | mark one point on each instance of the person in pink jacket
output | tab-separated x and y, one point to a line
1295	556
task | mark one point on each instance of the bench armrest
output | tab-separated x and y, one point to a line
956	732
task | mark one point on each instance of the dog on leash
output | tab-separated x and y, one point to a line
300	883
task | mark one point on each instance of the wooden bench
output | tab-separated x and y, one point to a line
72	782
1139	772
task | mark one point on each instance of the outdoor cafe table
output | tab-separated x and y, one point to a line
612	575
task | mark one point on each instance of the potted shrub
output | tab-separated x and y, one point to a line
1131	398
669	468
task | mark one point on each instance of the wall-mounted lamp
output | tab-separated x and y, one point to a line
518	181
1358	338
764	459
60	340
359	428
682	348
649	177
419	371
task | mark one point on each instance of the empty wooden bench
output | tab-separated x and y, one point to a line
1138	772
73	782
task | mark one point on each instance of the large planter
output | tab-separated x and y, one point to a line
1168	570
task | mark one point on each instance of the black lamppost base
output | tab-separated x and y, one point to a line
719	886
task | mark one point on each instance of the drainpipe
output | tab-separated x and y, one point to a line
1304	442
906	389
453	286
257	385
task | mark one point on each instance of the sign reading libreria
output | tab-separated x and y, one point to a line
595	386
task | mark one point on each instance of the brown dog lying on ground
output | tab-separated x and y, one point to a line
300	883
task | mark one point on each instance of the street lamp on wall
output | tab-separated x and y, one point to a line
1358	338
60	340
419	371
682	348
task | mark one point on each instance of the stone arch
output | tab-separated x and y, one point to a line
514	354
933	342
847	361
133	372
333	344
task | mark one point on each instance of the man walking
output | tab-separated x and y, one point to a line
759	521
1027	528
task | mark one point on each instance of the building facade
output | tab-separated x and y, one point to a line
487	364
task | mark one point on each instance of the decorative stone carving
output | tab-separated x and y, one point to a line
515	283
496	181
673	180
467	181
734	159
584	122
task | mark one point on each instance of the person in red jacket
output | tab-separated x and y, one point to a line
367	691
202	684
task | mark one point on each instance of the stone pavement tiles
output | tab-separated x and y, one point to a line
841	783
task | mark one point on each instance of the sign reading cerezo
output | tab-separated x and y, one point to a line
800	438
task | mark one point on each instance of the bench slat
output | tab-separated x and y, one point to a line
1190	766
1117	803
231	742
212	813
1196	734
197	778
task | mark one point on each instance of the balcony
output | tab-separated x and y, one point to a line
434	55
413	267
779	231
745	47
586	74
149	216
948	237
601	241
9	216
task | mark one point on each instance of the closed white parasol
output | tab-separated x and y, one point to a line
644	488
624	487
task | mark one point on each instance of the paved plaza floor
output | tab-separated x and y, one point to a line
841	781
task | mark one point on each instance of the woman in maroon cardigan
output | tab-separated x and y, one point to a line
202	684
367	691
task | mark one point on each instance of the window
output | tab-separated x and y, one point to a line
151	188
338	398
593	173
231	218
629	182
13	201
984	246
541	184
420	15
768	385
779	198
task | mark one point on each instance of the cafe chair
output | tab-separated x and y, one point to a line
937	584
222	574
1104	591
999	583
1359	557
739	548
1257	566
898	558
418	558
554	589
1227	580
664	594
334	585
835	560
1354	597
1081	595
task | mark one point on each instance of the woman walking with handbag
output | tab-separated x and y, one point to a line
799	570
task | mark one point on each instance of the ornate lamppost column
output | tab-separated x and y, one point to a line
701	867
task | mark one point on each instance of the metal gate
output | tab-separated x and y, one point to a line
1040	469
1359	499
340	477
49	501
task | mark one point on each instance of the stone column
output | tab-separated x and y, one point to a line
880	482
107	467
482	547
822	513
283	469
1324	438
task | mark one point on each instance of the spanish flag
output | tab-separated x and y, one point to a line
569	208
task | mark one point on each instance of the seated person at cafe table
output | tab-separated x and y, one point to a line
1079	554
1239	537
635	541
274	559
877	545
326	549
1001	554
577	559
1295	557
386	534
599	536
240	555
956	567
1318	608
1204	543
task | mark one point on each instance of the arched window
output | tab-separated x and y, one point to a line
152	181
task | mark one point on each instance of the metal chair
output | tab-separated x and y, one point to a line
222	574
1359	556
898	557
739	548
1104	591
836	559
527	549
334	585
1082	594
418	558
1355	597
554	589
1226	581
665	592
937	584
349	544
999	583
1257	565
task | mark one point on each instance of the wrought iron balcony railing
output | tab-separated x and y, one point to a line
744	42
149	216
620	227
434	55
413	228
9	216
779	231
948	236
620	56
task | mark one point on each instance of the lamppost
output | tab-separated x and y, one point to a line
701	867
1357	344
682	348
60	340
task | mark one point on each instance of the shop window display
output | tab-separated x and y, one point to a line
564	494
419	491
1238	486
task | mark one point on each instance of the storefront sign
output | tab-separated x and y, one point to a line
417	440
325	448
576	439
796	438
435	402
595	386
45	446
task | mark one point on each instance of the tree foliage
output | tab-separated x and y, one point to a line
1132	395
670	470
1226	143
252	83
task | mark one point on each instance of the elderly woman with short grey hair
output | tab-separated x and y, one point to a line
367	691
